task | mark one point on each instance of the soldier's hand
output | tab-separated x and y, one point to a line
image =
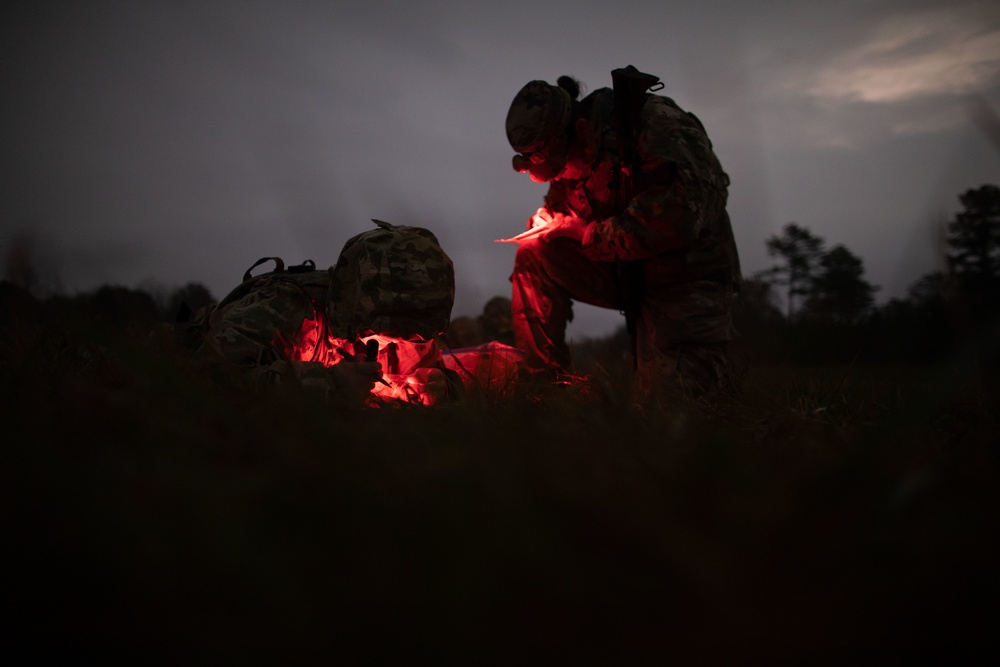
568	226
541	218
429	385
355	380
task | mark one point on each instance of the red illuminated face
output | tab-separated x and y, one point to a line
545	164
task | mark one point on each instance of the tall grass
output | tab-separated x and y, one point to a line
810	515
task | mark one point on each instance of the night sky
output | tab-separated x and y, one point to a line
150	144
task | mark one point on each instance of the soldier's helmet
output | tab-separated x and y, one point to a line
537	122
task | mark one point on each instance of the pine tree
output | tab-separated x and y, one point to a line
800	251
839	291
974	255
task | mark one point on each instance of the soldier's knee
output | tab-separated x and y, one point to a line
529	253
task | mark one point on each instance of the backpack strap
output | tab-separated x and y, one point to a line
279	266
250	282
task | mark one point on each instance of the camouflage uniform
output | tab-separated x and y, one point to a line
675	226
394	283
273	331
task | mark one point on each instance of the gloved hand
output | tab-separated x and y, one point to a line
354	380
540	218
568	226
427	386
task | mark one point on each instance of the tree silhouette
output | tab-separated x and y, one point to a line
757	318
28	265
974	255
800	251
184	301
839	291
120	307
917	328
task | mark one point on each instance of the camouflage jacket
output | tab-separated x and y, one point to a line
276	329
675	218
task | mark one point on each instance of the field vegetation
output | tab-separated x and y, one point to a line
838	504
833	513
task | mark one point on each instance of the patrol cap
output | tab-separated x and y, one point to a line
539	113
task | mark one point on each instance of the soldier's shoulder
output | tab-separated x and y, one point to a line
664	107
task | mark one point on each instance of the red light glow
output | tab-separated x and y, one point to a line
409	365
405	363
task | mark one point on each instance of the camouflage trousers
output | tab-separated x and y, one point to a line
682	330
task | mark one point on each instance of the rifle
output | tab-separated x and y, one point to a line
630	87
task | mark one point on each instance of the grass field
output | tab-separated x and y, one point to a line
843	515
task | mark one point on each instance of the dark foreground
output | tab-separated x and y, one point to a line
835	515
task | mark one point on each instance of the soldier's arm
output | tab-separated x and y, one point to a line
678	177
657	220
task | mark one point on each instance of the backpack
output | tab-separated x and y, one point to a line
395	281
191	329
314	282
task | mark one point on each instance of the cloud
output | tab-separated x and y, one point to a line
846	79
920	55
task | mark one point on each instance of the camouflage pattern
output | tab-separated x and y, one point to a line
677	213
275	328
272	329
394	280
675	224
682	335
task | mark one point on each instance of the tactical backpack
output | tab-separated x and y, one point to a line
314	282
395	281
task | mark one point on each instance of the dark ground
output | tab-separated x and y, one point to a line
836	515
